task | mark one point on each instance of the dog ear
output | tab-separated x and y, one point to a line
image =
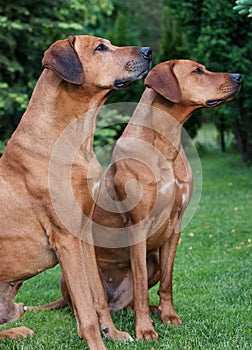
63	59
163	80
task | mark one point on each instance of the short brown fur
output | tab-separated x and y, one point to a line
80	73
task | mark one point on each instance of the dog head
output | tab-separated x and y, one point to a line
90	60
190	83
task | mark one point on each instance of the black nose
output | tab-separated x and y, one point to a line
236	77
146	52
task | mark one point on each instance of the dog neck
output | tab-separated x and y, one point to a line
159	122
54	105
179	111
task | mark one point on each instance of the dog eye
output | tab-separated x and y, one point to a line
198	70
102	47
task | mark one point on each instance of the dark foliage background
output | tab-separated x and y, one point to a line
210	32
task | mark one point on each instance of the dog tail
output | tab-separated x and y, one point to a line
57	304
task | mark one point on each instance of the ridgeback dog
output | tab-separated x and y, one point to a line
147	187
79	74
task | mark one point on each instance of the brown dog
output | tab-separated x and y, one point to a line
150	152
150	184
52	144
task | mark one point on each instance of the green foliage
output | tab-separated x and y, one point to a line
174	44
26	31
244	7
135	22
205	30
2	146
221	39
131	23
224	43
110	124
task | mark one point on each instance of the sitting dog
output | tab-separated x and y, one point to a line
50	152
150	153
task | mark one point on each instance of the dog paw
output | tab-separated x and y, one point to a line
146	331
146	334
167	314
123	336
15	333
171	319
117	335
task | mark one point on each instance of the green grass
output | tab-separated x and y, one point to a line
212	277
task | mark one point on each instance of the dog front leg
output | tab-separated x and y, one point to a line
144	324
71	258
100	301
167	256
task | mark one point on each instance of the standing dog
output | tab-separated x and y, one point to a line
147	188
80	73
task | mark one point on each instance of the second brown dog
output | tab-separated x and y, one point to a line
147	188
175	89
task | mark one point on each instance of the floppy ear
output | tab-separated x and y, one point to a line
63	59
163	80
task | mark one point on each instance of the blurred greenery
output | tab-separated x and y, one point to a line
26	31
220	38
244	7
110	124
213	33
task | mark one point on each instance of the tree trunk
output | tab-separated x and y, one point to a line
243	146
222	139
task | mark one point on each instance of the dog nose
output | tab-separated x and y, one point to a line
146	52
236	77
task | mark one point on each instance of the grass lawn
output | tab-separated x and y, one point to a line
212	277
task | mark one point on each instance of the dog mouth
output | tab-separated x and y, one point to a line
213	103
123	83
